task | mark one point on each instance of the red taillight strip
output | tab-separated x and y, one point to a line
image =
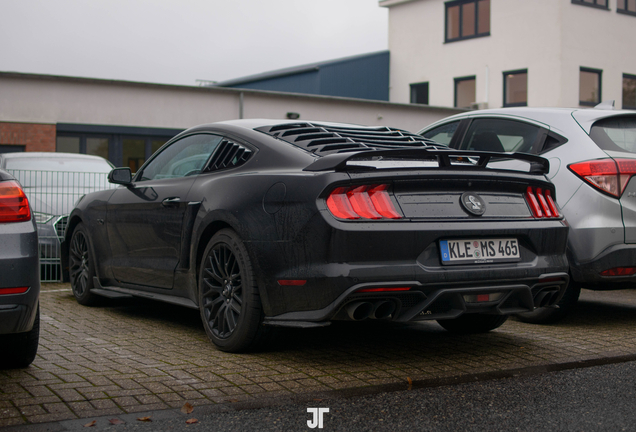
541	203
544	203
339	205
292	282
382	202
14	205
552	204
362	202
619	271
534	204
395	289
16	290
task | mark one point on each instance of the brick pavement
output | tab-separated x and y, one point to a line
134	355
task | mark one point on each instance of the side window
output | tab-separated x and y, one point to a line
500	135
184	157
442	134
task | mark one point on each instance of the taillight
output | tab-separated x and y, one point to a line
619	271
16	290
362	202
607	175
541	203
14	205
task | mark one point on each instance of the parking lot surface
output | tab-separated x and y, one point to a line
135	356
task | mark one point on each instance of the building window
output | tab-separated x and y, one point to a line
419	93
601	4
629	91
466	19
121	145
626	7
590	86
516	88
465	91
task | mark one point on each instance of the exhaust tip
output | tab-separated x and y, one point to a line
359	311
383	310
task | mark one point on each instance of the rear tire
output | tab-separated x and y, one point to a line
229	301
81	267
473	323
551	315
20	348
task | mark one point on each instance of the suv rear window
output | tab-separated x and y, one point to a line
615	133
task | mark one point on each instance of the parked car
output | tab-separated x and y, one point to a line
592	154
54	182
20	276
288	223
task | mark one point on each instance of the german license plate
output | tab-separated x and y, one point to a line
481	251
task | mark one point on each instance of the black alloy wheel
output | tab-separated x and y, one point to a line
81	266
228	297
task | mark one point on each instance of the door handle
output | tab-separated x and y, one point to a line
171	202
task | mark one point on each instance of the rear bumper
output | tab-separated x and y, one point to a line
422	302
588	274
340	262
19	267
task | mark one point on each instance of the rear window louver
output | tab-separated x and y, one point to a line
229	155
324	139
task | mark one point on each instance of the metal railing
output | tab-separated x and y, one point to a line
52	195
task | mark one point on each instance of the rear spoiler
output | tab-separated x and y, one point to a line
446	158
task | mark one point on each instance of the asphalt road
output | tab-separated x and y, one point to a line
600	398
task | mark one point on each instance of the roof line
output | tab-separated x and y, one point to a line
279	73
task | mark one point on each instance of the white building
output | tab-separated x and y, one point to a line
494	53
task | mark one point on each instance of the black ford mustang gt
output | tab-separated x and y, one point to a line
261	223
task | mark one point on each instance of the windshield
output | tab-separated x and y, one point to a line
615	133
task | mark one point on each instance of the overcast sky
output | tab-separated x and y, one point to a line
180	41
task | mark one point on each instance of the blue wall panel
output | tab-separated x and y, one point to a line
363	76
307	82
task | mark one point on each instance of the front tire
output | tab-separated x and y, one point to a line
82	266
473	323
229	302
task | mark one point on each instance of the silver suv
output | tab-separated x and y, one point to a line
592	154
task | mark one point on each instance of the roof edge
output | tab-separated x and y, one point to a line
279	73
389	3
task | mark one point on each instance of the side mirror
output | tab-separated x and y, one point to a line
121	176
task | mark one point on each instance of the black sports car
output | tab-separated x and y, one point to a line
261	223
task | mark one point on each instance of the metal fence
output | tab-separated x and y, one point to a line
52	195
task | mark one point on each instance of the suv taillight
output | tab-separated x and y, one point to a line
541	203
362	202
14	206
607	175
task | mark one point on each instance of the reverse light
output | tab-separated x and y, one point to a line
362	202
479	298
14	205
619	271
541	203
607	175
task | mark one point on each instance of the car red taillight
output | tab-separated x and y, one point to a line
362	202
619	271
607	175
14	205
541	203
16	290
